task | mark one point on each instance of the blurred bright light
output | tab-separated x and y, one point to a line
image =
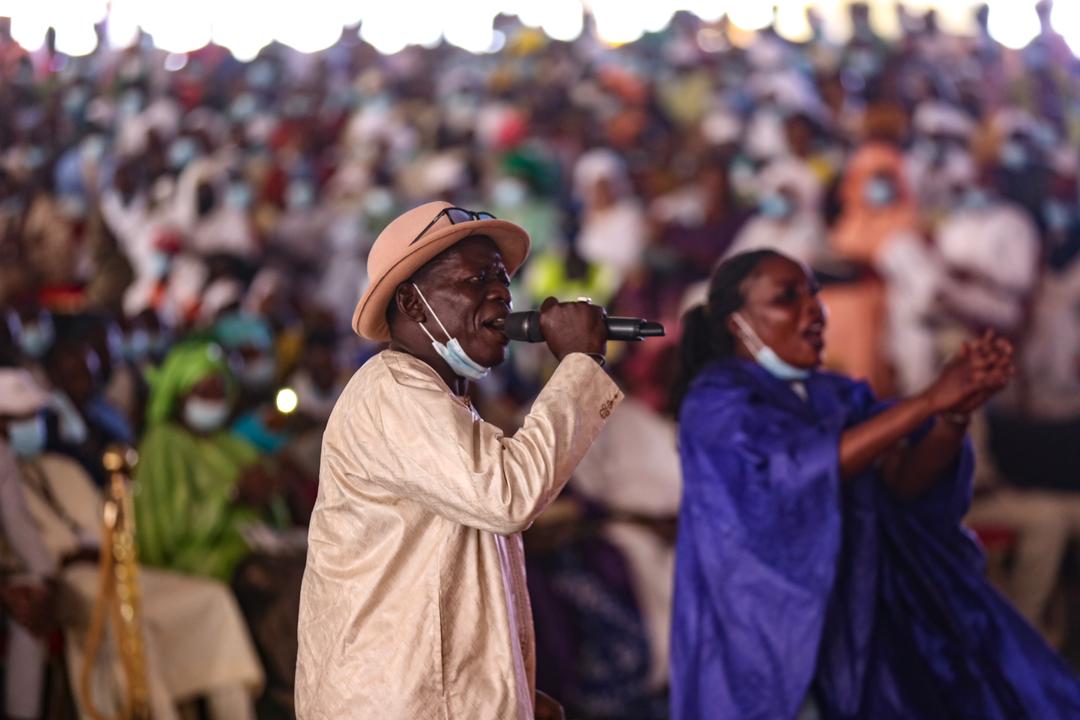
1066	20
177	27
74	22
384	30
29	23
238	26
656	15
959	16
1013	23
286	401
75	38
562	19
707	10
751	15
246	26
174	62
619	23
472	26
791	21
122	27
308	26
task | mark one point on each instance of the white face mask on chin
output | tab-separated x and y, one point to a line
451	351
205	416
765	356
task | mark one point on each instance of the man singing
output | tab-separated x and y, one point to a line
414	602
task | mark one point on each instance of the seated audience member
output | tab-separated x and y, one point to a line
81	422
208	506
195	641
191	500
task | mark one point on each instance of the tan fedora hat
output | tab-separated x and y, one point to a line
401	250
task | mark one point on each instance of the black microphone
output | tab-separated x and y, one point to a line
525	327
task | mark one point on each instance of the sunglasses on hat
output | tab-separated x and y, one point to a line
455	215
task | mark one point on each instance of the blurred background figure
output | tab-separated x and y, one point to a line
186	214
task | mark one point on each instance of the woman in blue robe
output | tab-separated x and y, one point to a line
821	565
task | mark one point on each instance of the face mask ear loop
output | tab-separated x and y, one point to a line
437	320
430	336
749	337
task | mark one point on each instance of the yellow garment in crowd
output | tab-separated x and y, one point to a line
414	602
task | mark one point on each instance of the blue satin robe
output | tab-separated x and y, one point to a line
790	584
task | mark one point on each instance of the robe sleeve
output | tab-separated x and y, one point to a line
17	523
759	532
943	506
438	454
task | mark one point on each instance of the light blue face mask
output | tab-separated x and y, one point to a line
27	437
36	339
1057	214
1014	155
765	356
451	351
775	205
880	192
137	345
976	198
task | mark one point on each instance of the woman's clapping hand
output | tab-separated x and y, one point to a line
982	368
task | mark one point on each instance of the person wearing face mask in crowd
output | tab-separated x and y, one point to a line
878	209
209	506
404	448
192	502
81	423
1021	145
28	587
140	344
991	253
610	212
789	214
938	154
195	641
249	342
821	564
32	329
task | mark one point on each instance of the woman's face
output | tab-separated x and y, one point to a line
211	387
780	303
205	408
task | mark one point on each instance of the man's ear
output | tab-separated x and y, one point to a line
408	303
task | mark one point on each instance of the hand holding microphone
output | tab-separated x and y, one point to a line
576	327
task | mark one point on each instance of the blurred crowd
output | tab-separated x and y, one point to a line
183	237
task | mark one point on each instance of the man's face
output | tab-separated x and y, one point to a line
468	287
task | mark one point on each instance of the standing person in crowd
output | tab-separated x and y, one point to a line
879	210
789	214
820	558
433	617
613	222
